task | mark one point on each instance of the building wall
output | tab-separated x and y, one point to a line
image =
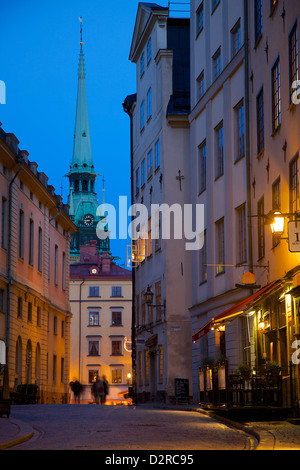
32	298
104	361
163	333
221	195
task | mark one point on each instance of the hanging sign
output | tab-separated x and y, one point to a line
294	236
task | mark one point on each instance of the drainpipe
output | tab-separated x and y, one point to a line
127	110
9	252
247	133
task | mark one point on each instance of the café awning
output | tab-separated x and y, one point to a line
235	311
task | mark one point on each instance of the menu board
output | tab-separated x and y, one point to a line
182	390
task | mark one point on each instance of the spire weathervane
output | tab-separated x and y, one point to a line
80	19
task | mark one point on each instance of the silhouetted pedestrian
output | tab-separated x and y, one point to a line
99	391
105	388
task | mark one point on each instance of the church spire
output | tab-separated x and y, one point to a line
82	161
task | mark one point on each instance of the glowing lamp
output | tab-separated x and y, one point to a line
277	225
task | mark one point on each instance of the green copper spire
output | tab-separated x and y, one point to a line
82	154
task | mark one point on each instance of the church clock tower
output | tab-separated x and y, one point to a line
83	200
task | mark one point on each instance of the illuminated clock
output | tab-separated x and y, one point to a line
88	219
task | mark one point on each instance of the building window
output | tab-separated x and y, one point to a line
143	172
1	300
220	246
56	265
276	98
200	18
94	291
54	368
93	347
149	50
62	369
20	307
214	4
293	59
40	250
240	131
157	154
116	318
137	181
217	64
202	167
241	253
146	367
63	271
203	261
150	163
160	364
116	348
143	311
29	312
142	115
236	38
200	86
157	230
116	376
31	242
93	375
276	204
116	291
219	150
149	104
294	185
142	64
38	316
260	122
21	234
94	318
258	20
4	224
140	368
261	228
55	325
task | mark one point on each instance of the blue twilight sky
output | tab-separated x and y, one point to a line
39	64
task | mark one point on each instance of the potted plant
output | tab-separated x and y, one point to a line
245	371
273	370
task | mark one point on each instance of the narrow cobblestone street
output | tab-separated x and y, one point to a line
91	427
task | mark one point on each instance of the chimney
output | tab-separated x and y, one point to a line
106	263
88	253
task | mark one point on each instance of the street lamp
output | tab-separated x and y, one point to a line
277	225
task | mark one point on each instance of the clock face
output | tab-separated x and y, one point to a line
88	219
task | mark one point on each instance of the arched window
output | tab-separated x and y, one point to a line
18	368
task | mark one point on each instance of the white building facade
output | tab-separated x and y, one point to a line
219	179
160	151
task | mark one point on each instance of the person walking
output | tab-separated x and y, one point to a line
99	391
76	390
105	388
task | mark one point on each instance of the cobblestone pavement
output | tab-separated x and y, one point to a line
281	435
88	427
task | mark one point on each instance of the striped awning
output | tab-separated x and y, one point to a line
235	311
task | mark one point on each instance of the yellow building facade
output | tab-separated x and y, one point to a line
34	278
100	297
